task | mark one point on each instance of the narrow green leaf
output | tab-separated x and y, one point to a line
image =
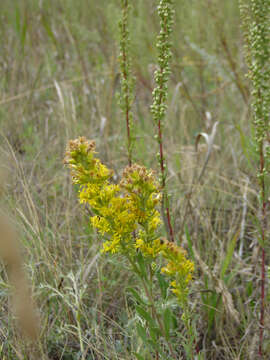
47	27
163	284
145	315
249	288
141	332
154	344
139	357
142	266
167	319
229	254
17	20
136	295
247	147
190	245
24	32
155	333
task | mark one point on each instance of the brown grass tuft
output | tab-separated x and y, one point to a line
22	302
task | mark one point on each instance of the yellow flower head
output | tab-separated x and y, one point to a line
178	268
137	180
85	168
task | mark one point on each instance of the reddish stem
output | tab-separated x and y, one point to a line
169	224
161	153
128	136
262	302
163	183
127	118
263	225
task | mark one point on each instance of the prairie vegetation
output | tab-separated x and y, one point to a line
60	79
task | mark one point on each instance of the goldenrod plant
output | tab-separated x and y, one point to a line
180	271
126	214
256	24
127	218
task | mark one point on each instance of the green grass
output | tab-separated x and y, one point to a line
59	79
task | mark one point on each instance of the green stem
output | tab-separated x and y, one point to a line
149	294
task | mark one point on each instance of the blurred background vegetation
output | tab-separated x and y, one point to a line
60	79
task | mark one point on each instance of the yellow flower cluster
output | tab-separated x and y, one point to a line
114	215
85	169
149	249
179	269
126	214
119	209
143	193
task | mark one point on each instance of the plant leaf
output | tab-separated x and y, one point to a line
141	332
210	143
145	315
228	258
163	284
139	357
136	295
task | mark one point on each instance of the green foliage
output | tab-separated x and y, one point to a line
126	217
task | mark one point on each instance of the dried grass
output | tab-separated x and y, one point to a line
22	302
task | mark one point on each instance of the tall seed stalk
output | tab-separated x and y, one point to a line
127	80
160	94
256	23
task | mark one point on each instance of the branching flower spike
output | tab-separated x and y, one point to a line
256	24
160	94
127	80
